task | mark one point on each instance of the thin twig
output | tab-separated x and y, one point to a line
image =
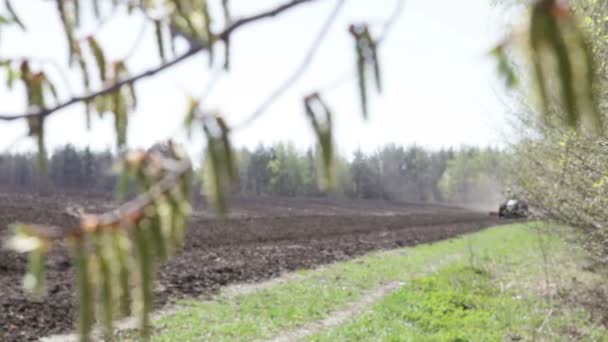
225	34
138	40
291	80
215	77
390	22
103	21
14	144
129	212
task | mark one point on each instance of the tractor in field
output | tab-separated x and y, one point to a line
513	208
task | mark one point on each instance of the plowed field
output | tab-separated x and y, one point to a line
262	239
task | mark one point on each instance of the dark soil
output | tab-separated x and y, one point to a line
263	239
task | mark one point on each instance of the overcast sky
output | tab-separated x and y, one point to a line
441	88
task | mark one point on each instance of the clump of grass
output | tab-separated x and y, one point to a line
459	303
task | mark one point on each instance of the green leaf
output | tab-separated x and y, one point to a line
123	182
220	169
158	239
554	32
12	75
145	284
86	312
536	41
566	74
190	115
183	17
158	31
121	246
362	85
51	89
106	278
504	67
373	57
121	119
323	131
208	33
76	8
100	58
179	208
36	130
68	27
228	156
121	72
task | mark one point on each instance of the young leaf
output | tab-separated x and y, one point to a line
219	170
190	115
323	131
106	296
86	312
556	41
123	182
360	52
50	87
100	58
372	46
227	148
120	71
504	67
208	33
184	17
86	81
68	27
76	8
362	84
120	245
158	239
227	21
121	119
34	280
158	31
23	242
145	284
536	41
227	54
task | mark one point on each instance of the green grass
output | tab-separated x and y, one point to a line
508	298
459	303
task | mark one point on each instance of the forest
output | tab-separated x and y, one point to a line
468	175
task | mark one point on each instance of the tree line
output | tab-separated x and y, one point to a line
391	172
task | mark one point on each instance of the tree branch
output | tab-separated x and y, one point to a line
291	80
129	212
346	77
224	35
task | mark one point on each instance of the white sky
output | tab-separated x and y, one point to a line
441	88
